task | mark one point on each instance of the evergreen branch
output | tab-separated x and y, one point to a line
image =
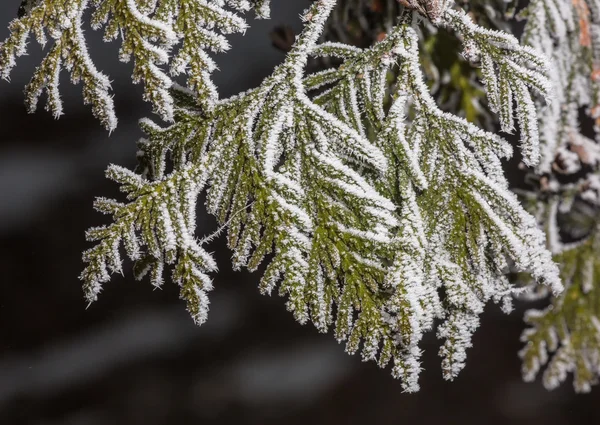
505	61
373	212
468	219
148	30
138	31
565	337
156	228
63	22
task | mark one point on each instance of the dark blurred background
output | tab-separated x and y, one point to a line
135	357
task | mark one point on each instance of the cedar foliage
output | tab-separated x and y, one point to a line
371	192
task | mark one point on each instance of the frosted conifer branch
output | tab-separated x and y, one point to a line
148	31
565	337
498	223
493	213
373	212
156	227
504	61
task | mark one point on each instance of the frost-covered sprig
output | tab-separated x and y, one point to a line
156	227
461	260
454	83
62	21
328	228
148	31
416	302
356	93
359	85
281	187
566	179
458	219
509	70
471	219
201	25
551	29
567	32
470	212
145	40
565	337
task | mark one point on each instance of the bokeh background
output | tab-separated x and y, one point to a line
135	357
